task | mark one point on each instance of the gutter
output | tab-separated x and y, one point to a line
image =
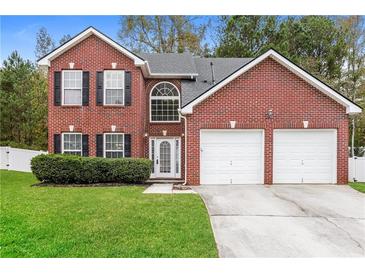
185	146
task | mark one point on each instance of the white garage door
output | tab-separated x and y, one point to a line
305	156
231	157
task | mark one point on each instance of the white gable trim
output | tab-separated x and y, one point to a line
351	108
46	60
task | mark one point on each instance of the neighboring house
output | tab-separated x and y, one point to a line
236	120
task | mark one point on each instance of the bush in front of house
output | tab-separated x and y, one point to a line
70	169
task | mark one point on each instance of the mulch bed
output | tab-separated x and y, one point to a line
111	184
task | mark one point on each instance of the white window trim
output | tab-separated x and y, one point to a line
164	98
104	89
63	87
104	143
62	142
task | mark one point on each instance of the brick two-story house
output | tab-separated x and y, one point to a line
202	120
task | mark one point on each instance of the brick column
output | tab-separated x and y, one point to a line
268	166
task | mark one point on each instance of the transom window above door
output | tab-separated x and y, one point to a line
165	103
72	87
114	87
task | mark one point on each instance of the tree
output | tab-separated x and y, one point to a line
162	34
353	78
246	36
316	43
44	43
64	39
23	102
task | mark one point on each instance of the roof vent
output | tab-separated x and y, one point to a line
212	70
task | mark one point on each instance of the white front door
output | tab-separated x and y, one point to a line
231	156
165	154
305	156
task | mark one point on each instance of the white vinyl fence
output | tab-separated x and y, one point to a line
357	169
16	158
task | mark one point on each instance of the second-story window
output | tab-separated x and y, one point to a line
72	87
114	87
164	103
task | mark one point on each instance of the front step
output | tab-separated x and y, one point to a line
165	181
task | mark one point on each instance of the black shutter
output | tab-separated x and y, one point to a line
85	88
57	143
127	145
85	145
99	88
99	145
57	88
127	88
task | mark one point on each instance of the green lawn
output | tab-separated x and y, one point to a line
358	186
99	222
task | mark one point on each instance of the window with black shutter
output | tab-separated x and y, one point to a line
99	88
57	88
85	88
99	145
127	88
85	145
57	143
127	145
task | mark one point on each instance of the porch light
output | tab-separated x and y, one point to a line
113	128
114	65
71	65
71	128
305	124
233	124
270	114
164	132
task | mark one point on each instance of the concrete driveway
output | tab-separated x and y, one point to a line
286	220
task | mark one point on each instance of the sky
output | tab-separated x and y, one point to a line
19	32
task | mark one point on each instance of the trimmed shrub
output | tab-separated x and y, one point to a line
70	169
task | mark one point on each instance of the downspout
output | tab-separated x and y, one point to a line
185	146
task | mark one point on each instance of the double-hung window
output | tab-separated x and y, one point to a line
114	87
113	145
72	143
72	87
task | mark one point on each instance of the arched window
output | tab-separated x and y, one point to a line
165	102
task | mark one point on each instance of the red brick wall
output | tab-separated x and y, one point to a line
94	55
247	100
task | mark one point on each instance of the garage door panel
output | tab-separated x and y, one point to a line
304	156
217	166
231	157
243	150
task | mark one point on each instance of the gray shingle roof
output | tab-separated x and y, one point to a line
172	63
186	63
223	67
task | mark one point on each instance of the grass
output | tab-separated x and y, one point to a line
358	186
99	222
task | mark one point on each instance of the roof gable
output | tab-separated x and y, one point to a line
46	60
351	107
